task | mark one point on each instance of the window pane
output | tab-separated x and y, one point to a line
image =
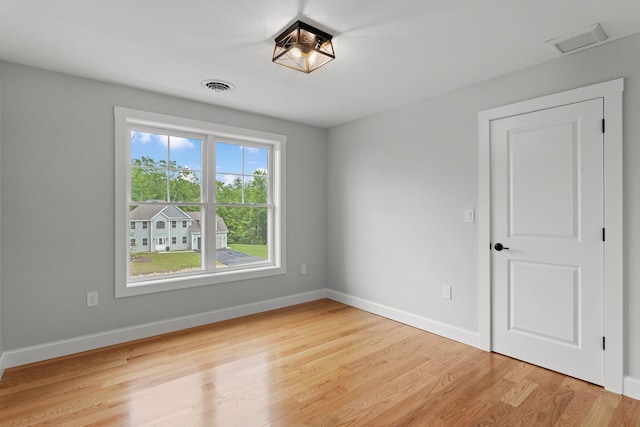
185	153
245	230
255	159
192	232
256	188
160	162
148	184
148	149
228	188
228	158
185	186
165	250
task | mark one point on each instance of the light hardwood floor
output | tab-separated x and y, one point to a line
315	364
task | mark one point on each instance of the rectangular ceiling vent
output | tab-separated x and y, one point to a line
578	40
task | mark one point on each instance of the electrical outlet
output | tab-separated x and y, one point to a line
92	299
446	292
303	269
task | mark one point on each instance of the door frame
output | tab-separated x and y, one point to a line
611	93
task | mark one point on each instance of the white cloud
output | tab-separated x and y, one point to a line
252	150
142	137
179	143
228	179
187	175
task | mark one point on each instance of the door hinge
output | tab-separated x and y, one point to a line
602	125
603	235
603	343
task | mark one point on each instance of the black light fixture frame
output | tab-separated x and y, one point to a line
312	52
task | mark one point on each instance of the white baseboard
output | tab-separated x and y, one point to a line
457	334
632	387
2	364
37	353
23	356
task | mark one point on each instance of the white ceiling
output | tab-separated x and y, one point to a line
388	53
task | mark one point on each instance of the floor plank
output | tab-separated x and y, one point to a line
315	364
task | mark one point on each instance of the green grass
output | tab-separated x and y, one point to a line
147	263
155	263
255	250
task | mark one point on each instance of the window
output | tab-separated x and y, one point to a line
144	225
133	242
133	225
145	241
226	182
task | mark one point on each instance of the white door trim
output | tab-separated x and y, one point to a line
611	92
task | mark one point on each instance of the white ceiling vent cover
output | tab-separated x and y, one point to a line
218	85
578	40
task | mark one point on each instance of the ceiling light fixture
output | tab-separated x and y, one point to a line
303	48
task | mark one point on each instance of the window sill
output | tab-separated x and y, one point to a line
154	285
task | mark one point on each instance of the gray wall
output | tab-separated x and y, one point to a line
399	183
58	163
1	347
375	207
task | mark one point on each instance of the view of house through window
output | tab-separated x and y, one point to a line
196	203
190	195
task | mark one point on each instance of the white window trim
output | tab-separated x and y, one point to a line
127	116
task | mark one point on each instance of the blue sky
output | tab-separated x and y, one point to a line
230	158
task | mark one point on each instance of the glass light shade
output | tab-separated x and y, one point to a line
303	48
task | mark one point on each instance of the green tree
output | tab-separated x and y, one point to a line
247	224
162	180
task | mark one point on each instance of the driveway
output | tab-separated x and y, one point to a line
231	258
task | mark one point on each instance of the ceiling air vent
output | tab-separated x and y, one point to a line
218	85
578	40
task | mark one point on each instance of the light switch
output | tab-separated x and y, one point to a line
469	215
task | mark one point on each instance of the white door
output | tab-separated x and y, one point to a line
161	244
547	213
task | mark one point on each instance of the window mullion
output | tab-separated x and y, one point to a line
271	236
243	176
244	205
209	195
168	169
